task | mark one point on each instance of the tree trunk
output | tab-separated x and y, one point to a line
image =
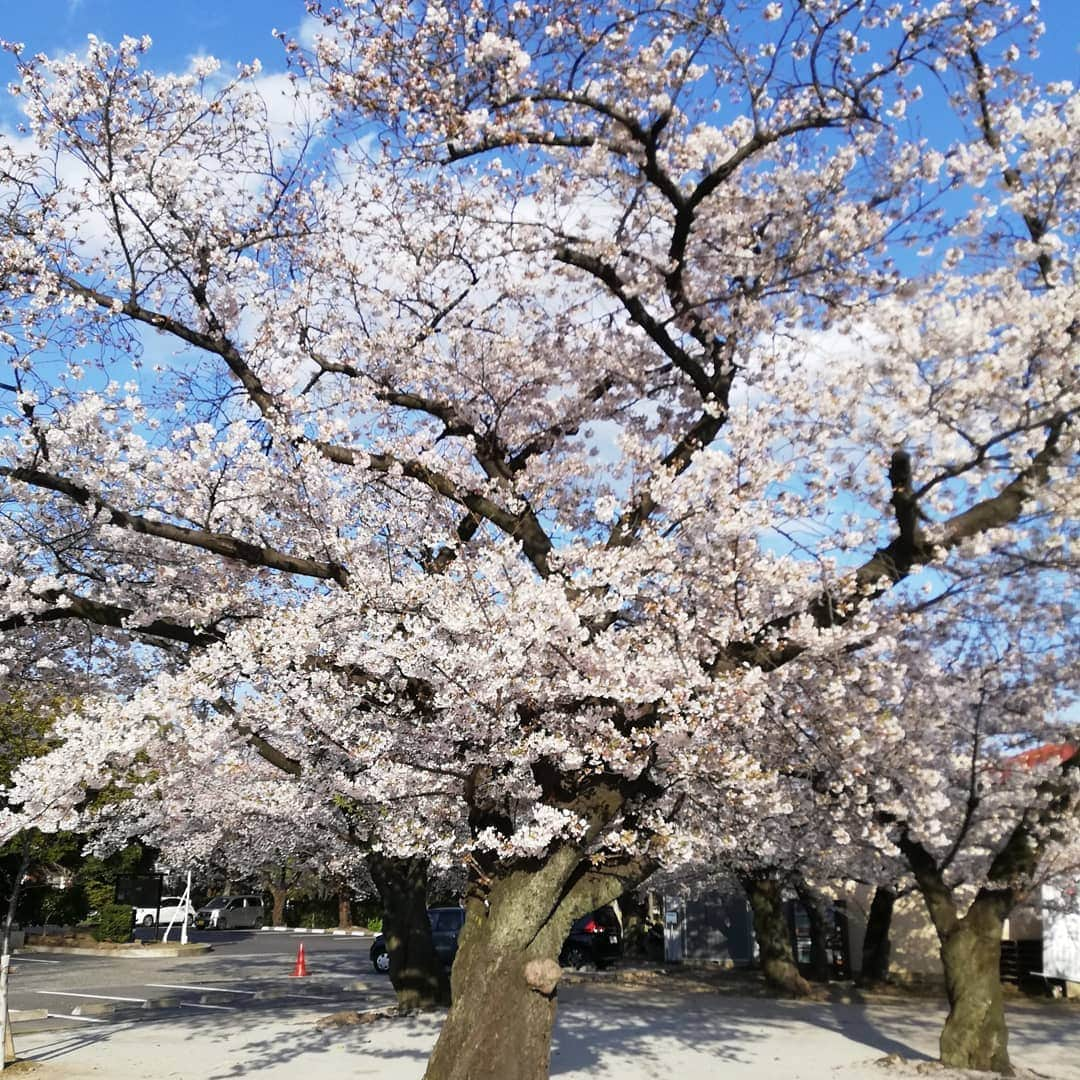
279	893
817	915
875	950
774	941
344	910
499	1026
419	978
507	970
975	1035
635	924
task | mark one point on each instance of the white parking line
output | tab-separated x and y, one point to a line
215	989
304	930
81	1019
19	959
200	1005
96	997
306	997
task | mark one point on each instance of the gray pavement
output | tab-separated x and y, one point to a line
244	971
603	1033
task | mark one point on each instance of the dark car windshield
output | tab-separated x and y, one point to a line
218	901
446	919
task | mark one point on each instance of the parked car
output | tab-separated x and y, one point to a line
230	913
172	909
446	924
594	940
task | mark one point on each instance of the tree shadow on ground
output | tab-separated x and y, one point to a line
66	1043
887	1028
649	1028
602	1031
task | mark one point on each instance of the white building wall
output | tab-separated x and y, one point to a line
1061	934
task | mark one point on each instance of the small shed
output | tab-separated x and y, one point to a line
713	928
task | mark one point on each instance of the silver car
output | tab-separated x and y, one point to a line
230	913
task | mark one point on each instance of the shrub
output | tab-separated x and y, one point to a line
100	894
66	907
312	912
114	923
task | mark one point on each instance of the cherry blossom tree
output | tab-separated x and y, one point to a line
493	433
950	758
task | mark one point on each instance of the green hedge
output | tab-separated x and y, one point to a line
114	923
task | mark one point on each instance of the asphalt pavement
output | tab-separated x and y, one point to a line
244	971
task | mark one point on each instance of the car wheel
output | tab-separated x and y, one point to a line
576	957
381	961
148	920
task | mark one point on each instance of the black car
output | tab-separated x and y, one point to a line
595	939
446	924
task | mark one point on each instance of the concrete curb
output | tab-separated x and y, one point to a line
18	1016
309	930
144	952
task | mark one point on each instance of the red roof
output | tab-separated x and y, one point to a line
1061	752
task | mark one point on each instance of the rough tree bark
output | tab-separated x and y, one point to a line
279	894
875	950
418	976
344	908
774	941
506	974
975	1035
817	913
635	923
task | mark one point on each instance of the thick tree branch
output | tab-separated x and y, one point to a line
113	615
888	566
228	546
931	882
524	526
636	309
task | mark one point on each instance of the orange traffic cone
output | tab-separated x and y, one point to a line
301	964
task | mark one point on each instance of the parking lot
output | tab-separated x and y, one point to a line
236	1011
244	971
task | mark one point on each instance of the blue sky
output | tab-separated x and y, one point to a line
235	30
239	30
